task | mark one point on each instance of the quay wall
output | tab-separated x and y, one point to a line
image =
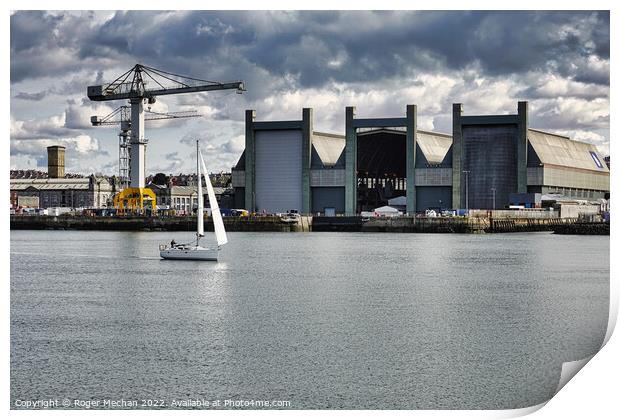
516	214
439	224
596	228
307	224
143	223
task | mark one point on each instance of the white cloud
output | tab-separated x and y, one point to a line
43	128
81	144
77	116
571	113
555	87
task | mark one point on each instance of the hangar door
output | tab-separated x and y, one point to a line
278	170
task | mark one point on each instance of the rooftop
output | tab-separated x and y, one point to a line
554	149
50	184
329	147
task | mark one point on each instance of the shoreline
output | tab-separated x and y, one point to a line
464	225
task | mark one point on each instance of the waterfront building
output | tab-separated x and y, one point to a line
183	198
486	159
87	192
58	190
501	155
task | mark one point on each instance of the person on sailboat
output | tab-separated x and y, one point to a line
172	243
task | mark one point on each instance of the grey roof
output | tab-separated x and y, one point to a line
434	145
240	165
371	130
553	149
329	147
50	184
183	190
189	190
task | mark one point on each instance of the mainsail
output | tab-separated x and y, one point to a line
218	223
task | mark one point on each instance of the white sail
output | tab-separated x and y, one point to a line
200	213
218	223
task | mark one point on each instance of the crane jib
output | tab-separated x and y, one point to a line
98	93
137	84
122	115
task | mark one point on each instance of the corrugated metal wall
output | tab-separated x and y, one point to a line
278	170
575	178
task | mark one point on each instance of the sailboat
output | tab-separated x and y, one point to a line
193	250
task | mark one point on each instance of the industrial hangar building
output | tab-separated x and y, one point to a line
487	161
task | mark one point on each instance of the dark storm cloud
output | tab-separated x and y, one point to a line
30	30
37	96
378	61
43	44
314	47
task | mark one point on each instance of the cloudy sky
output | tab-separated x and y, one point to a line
376	61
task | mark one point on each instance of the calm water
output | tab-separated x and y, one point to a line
323	320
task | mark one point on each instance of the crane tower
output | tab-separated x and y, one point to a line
122	116
140	86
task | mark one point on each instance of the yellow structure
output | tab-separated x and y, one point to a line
135	199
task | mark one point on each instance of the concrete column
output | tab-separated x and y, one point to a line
250	199
138	144
522	147
350	172
457	159
307	129
412	126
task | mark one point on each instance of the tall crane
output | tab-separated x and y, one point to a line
122	116
140	85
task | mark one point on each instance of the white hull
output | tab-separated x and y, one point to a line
189	253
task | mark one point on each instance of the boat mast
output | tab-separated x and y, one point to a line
200	209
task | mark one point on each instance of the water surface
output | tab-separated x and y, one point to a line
323	320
